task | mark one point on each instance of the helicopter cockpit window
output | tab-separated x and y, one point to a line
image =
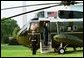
70	14
40	14
52	14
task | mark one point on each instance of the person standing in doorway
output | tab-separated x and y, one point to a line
45	33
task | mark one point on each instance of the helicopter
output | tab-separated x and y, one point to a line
64	25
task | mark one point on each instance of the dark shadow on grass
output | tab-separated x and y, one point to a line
69	52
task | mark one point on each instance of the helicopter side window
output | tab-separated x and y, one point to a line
63	26
71	26
78	26
74	28
52	14
61	13
41	14
67	27
70	14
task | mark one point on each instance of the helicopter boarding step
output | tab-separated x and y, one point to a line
44	48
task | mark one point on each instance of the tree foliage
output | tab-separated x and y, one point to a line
7	27
15	31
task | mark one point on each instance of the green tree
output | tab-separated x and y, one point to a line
15	31
7	27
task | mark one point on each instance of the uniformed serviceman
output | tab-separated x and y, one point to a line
34	42
33	38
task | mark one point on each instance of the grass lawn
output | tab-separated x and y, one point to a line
21	51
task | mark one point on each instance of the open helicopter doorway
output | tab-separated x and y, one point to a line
45	41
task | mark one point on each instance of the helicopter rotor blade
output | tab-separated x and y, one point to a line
70	2
28	6
30	11
34	10
75	2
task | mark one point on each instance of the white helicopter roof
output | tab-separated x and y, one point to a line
77	7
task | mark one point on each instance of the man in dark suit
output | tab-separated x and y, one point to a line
45	33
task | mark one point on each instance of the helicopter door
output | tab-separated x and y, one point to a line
46	32
45	44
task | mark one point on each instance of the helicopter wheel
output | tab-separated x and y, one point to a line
61	51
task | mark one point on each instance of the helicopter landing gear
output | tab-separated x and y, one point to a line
61	49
